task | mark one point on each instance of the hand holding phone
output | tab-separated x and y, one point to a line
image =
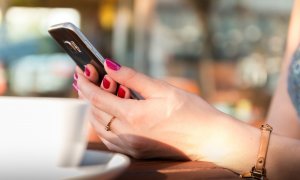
78	47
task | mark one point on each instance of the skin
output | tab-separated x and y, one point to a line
172	123
284	118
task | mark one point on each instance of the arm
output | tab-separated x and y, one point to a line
283	118
171	123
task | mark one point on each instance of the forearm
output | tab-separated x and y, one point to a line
283	160
282	115
283	119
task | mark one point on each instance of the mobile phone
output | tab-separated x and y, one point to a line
78	47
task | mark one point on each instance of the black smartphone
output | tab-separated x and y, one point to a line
78	47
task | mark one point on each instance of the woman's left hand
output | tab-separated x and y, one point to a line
168	123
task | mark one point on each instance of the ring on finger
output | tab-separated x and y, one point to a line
107	127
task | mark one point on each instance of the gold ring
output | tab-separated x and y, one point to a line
107	127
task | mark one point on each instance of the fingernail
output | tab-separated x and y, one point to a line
121	92
75	76
87	72
106	83
75	85
112	64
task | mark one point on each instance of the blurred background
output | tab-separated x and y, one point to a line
227	51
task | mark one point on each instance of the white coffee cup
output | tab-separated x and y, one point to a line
41	133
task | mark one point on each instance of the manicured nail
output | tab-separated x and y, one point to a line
75	85
106	83
112	64
121	92
75	76
87	72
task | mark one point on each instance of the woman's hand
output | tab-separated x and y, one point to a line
169	123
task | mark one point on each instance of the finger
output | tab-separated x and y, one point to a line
107	135
80	95
117	126
113	147
91	73
75	76
123	92
103	100
101	116
109	84
78	70
132	79
75	87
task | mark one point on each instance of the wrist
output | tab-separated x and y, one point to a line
258	170
233	144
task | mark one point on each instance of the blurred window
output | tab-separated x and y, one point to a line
34	62
0	17
24	22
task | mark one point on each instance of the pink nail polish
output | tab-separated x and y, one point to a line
75	85
87	72
75	76
106	83
112	65
121	92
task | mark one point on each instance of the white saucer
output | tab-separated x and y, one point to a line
94	164
99	164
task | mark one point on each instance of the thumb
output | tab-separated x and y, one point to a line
130	78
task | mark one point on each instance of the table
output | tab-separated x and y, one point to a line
167	169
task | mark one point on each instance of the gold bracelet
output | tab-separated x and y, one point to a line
258	171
